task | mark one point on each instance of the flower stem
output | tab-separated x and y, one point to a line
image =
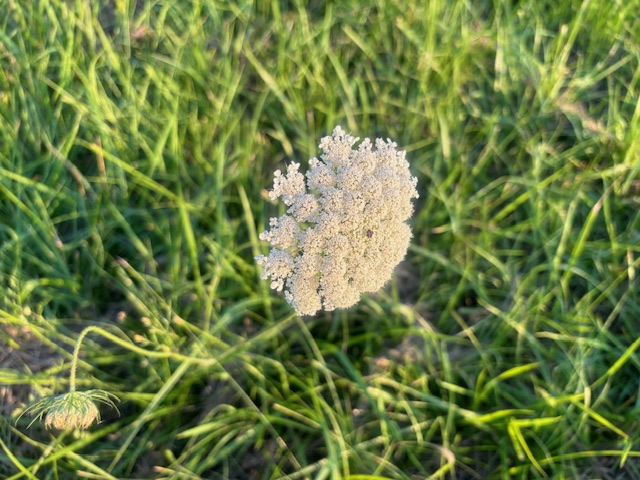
129	346
206	362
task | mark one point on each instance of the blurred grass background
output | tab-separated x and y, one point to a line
136	143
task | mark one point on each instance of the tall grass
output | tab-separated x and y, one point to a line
136	143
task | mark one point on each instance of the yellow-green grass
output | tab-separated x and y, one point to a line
136	143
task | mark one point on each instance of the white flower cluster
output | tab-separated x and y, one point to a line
344	231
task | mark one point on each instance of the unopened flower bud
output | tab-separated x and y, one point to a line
71	411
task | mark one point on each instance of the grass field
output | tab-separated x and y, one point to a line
137	143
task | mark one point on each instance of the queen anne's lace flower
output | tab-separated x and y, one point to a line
344	231
70	411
